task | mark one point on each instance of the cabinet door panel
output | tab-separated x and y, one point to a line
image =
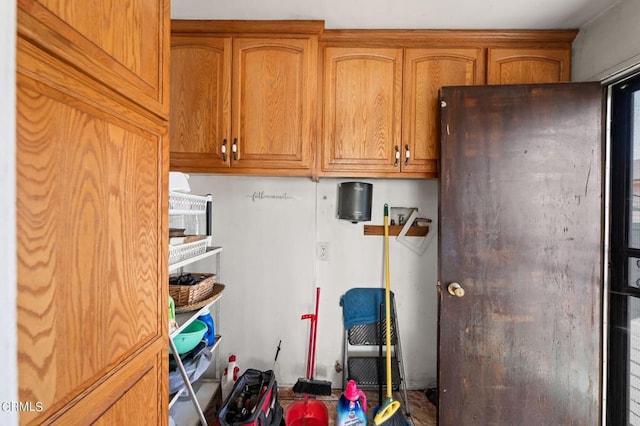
125	51
128	410
362	109
426	71
90	187
200	114
274	85
136	394
528	66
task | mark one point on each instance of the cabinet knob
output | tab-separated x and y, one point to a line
223	150
234	149
395	164
407	155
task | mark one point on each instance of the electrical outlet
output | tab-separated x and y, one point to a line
323	251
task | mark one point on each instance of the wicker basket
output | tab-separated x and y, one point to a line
218	288
189	294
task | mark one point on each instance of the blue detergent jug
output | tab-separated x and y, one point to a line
352	407
210	335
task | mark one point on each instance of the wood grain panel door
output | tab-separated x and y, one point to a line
127	409
521	210
200	118
273	108
425	72
136	395
91	210
528	66
124	49
362	109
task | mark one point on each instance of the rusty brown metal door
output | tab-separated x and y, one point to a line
520	255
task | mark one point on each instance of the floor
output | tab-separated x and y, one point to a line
423	413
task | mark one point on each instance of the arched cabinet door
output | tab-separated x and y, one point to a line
243	105
528	66
426	71
362	108
200	117
274	95
381	107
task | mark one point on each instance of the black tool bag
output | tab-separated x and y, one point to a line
253	401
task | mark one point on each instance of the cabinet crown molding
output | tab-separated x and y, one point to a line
247	28
449	38
387	37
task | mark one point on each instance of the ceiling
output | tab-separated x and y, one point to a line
418	14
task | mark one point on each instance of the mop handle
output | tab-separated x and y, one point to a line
387	298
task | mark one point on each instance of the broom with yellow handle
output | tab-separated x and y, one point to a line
390	413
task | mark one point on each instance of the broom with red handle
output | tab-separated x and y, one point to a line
309	385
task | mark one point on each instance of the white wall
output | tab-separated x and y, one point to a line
431	14
8	345
270	270
609	44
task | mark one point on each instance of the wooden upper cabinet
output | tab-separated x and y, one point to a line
245	94
243	105
528	66
426	71
124	51
273	104
200	117
362	109
381	107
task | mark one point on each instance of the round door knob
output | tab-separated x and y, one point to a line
455	289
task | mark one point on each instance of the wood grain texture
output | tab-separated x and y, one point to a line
127	52
252	28
451	38
362	108
90	204
273	103
137	391
432	59
257	94
201	102
361	117
413	231
528	66
426	71
521	230
127	409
